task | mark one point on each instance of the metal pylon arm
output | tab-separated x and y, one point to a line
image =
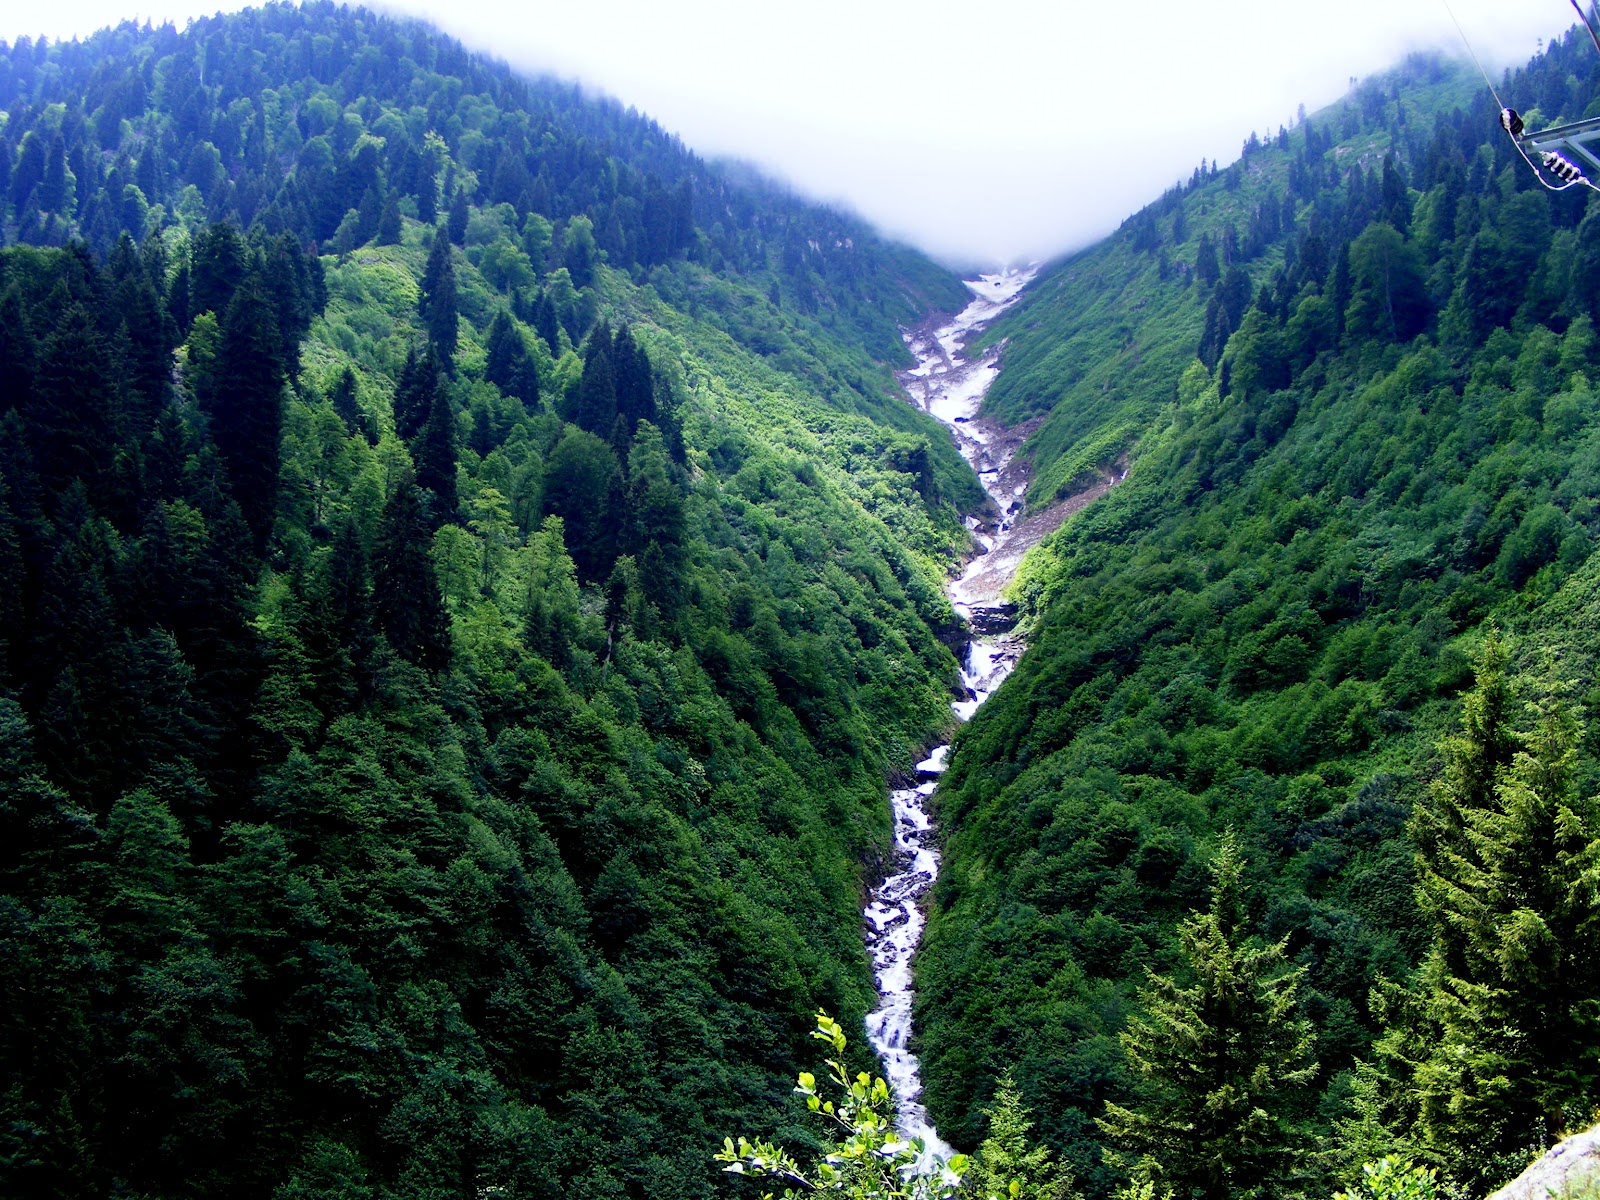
1575	137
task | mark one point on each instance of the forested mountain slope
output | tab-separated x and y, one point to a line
325	123
466	581
1354	376
1096	344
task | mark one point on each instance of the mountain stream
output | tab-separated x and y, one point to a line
950	386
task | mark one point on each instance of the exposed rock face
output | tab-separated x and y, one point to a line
992	620
1569	1170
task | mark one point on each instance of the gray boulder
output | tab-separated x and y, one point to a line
1569	1170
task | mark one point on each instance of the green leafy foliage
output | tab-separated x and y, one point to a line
866	1159
1387	1179
1008	1166
1507	857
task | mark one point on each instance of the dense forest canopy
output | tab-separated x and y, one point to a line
1352	374
467	579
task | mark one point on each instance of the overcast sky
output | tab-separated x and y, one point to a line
981	131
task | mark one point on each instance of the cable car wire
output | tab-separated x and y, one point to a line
1584	18
1564	169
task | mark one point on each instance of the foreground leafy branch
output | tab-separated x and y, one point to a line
868	1160
1392	1179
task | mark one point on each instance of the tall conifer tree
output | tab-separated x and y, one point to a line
435	455
245	404
1008	1166
597	390
1219	1058
405	593
548	324
413	392
70	410
439	308
507	365
1509	858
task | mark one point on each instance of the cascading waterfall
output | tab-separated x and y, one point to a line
951	387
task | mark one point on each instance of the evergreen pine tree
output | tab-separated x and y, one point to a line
582	486
1396	198
507	365
551	614
245	404
438	304
291	283
370	212
150	335
70	401
425	184
636	400
1008	1166
1206	270
12	580
80	654
344	402
345	586
17	352
1507	863
456	222
180	302
218	259
335	626
29	172
657	522
1475	762
548	324
413	392
406	601
596	409
579	252
389	225
52	195
1219	1058
435	455
1339	287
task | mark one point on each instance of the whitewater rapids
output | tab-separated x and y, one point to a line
949	386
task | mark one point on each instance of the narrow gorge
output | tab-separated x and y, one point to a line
950	386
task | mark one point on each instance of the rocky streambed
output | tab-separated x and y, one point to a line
950	385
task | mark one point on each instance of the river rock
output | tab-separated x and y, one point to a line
992	620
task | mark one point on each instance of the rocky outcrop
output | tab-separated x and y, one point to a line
1569	1170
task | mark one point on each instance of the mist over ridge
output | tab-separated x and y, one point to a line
1020	136
1014	134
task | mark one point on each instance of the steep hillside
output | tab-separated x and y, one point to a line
1353	373
329	124
466	582
1098	342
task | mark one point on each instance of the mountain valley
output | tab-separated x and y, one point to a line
492	598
